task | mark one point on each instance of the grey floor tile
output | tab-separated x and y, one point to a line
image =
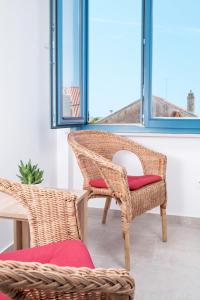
162	271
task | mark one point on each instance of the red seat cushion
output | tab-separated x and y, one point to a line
134	182
71	253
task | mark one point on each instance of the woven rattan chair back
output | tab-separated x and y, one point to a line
43	208
94	151
107	145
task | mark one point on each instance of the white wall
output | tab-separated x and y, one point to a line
183	170
24	93
64	172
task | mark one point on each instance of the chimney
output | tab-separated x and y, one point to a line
190	102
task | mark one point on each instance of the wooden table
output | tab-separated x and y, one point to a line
11	209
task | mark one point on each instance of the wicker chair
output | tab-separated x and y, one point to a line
52	216
94	151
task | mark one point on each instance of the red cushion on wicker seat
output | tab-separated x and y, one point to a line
71	253
134	182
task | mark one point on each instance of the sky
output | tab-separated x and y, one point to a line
115	53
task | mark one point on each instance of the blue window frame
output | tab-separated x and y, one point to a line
64	106
68	35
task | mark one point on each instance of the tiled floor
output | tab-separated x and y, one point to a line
162	271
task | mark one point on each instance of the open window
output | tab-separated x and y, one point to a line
68	65
125	66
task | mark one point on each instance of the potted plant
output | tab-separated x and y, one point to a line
30	174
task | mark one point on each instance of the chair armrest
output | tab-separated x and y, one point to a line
52	213
155	164
18	277
152	161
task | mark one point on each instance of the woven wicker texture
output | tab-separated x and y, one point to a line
52	213
52	216
51	282
94	151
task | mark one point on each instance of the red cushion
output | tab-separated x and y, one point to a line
4	297
71	253
134	182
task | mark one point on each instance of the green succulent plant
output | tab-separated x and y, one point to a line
30	174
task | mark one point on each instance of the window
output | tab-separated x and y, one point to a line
71	58
176	63
125	66
114	61
68	44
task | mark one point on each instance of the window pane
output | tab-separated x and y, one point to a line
71	59
176	59
114	61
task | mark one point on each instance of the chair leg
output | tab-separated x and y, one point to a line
126	236
164	223
106	208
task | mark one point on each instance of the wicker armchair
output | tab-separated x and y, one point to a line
94	151
52	216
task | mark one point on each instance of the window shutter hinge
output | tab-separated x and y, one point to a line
144	41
